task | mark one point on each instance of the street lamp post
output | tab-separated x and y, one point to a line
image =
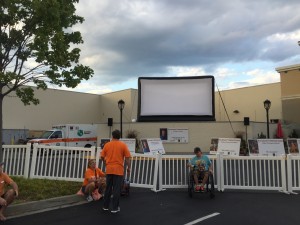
267	105
121	105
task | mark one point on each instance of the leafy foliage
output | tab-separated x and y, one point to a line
293	134
134	135
38	47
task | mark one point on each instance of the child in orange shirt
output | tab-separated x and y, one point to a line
94	179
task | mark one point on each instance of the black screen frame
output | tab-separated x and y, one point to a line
169	118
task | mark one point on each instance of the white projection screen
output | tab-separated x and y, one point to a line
176	99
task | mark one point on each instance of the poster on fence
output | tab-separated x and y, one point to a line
170	135
103	141
213	146
270	147
229	146
253	147
130	142
152	146
293	146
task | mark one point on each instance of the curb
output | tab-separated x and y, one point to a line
29	208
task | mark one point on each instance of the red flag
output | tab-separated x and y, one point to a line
279	133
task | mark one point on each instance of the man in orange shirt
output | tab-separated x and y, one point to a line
6	196
113	155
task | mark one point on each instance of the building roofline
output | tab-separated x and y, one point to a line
287	68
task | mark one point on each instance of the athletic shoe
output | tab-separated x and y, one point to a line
201	188
115	211
197	188
105	209
89	198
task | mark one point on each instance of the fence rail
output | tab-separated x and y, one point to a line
156	172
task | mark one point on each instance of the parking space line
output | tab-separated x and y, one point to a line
202	218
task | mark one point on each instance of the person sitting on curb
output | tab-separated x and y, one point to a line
7	195
200	167
94	180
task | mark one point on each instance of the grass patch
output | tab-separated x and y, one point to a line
39	189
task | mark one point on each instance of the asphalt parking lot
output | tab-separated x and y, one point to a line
177	208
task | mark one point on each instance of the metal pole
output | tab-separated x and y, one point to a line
268	132
121	111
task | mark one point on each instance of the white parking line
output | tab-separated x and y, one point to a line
202	218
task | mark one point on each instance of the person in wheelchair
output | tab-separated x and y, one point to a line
200	167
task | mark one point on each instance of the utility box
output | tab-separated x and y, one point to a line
14	136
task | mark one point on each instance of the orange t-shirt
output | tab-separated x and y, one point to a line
90	173
4	180
114	153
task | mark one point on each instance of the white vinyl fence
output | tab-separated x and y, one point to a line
156	172
16	159
293	173
253	172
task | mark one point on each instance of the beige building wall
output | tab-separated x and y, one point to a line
56	106
248	101
109	106
290	90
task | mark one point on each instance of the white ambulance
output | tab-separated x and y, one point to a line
71	135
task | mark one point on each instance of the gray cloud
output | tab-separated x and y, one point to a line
127	39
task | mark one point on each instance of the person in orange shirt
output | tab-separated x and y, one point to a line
94	179
7	196
113	155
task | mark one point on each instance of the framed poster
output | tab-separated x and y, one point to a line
271	147
174	135
130	142
156	146
293	146
152	146
253	147
213	146
229	146
103	141
144	146
163	134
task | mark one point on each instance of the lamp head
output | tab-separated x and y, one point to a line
267	104
121	104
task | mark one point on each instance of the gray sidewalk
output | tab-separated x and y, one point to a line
29	208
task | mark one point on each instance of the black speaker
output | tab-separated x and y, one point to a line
246	121
109	122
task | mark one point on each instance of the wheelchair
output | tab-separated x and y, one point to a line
209	187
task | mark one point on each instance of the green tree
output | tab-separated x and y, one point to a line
38	48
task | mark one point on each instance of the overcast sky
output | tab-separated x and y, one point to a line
240	42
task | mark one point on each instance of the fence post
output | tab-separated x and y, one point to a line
157	173
283	174
290	175
220	173
33	160
27	160
97	157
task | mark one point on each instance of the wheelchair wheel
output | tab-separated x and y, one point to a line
190	190
190	186
211	186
